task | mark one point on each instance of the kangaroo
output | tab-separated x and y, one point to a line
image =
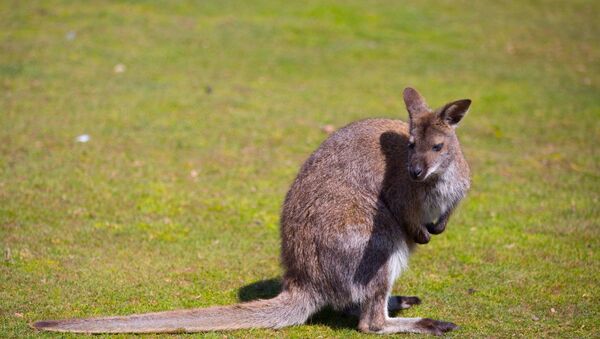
355	212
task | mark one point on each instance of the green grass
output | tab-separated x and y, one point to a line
238	92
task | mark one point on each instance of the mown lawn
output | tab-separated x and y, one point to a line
174	201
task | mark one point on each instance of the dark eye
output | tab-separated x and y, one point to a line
438	147
411	145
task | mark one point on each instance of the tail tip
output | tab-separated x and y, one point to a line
44	324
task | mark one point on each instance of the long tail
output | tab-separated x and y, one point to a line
288	308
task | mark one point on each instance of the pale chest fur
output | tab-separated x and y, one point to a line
450	188
398	262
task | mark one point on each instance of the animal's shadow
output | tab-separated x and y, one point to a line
270	288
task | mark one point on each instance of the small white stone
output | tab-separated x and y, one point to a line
119	68
71	35
83	138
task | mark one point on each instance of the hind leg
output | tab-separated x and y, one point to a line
373	314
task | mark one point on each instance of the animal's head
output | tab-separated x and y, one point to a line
432	144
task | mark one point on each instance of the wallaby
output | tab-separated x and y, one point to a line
349	223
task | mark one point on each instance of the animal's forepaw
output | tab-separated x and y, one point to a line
422	236
435	228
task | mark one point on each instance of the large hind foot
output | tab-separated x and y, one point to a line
374	319
414	325
432	326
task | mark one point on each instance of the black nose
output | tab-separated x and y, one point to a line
415	171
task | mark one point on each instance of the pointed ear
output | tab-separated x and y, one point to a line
454	111
415	103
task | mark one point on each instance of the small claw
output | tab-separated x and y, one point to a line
397	303
410	301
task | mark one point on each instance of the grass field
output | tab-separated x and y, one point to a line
197	134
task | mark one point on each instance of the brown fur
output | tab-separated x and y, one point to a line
348	225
